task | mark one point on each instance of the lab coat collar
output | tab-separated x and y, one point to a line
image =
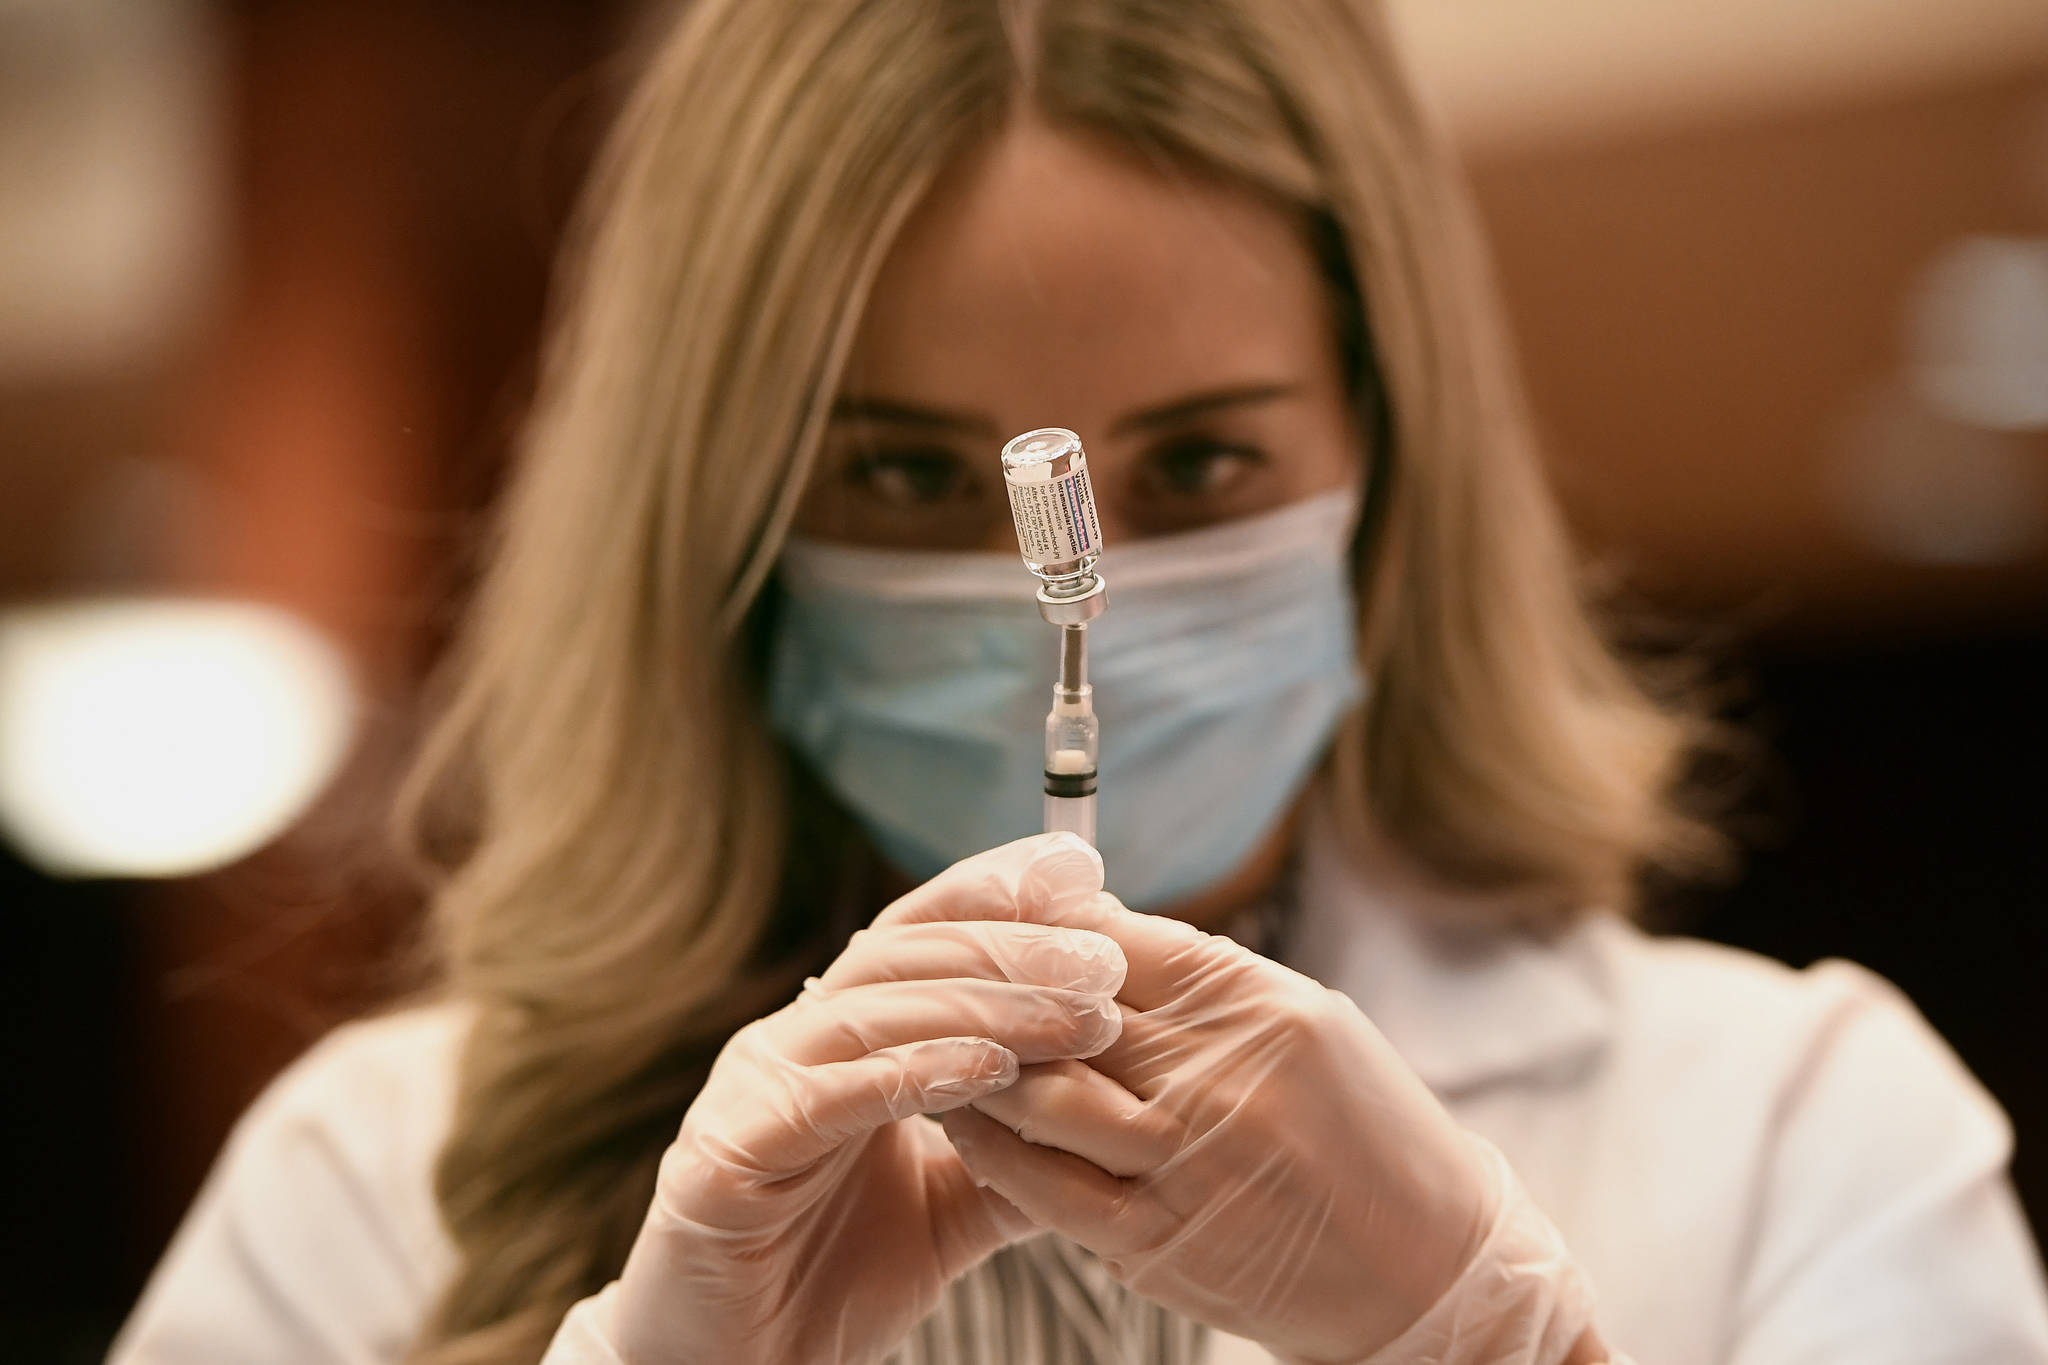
1464	999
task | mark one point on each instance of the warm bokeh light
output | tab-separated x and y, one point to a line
1980	333
162	737
1918	486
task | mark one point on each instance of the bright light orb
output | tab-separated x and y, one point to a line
159	738
1979	334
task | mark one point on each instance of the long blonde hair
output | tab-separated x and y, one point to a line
606	811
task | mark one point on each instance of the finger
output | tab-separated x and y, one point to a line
995	950
1038	1023
1153	1047
1077	1199
784	1127
1072	1106
1057	879
1163	957
1029	879
970	1222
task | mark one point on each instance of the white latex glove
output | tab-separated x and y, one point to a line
805	1212
1254	1154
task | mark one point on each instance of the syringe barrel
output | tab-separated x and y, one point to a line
1073	814
1046	473
1071	739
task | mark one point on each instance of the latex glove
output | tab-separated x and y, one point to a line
804	1211
1254	1154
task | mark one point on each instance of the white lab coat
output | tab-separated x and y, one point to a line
1756	1166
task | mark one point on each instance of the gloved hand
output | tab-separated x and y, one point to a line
805	1212
1254	1154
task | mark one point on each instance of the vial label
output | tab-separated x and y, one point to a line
1056	519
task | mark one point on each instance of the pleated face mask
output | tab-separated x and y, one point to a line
915	684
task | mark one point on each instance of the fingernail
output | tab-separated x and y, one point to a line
1074	958
1064	851
997	1063
1107	1024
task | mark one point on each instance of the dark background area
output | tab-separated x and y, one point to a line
1706	296
1904	829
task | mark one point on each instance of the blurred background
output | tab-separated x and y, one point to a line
270	278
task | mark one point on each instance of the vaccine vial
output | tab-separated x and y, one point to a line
1046	472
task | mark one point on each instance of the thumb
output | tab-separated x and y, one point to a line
1034	878
847	1099
776	1121
970	1221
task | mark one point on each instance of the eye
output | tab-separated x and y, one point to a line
910	478
1199	468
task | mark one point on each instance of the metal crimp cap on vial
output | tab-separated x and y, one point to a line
1076	609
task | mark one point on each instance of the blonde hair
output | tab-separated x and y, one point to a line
606	810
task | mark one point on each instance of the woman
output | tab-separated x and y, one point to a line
1355	719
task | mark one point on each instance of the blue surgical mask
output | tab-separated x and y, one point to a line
915	684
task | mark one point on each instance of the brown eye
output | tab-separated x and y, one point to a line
911	478
1200	469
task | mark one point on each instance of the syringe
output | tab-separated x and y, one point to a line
1046	472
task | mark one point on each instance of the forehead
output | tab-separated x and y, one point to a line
1054	270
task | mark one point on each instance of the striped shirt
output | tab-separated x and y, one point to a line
1049	1302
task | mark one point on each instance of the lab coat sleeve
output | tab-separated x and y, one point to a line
308	1242
1888	1232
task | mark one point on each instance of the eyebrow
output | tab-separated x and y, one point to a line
1200	405
896	413
855	408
